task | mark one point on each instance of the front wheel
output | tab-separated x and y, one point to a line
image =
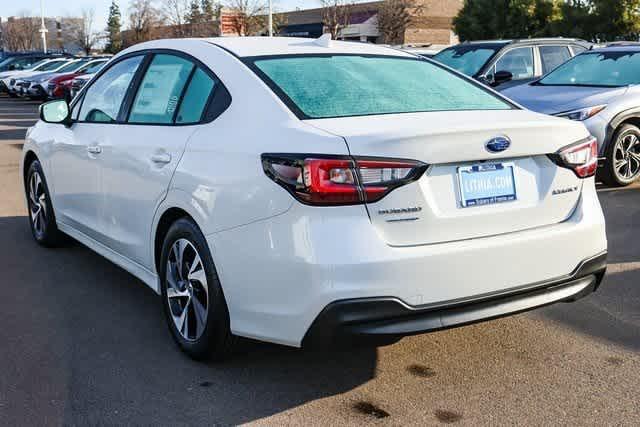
193	301
622	165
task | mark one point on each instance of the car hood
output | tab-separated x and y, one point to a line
558	99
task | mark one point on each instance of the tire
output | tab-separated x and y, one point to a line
186	291
623	147
12	95
41	215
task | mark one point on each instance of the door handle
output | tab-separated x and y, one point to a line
94	149
162	158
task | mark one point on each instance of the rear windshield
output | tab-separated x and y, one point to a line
323	86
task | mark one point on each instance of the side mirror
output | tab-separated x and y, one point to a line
502	77
56	111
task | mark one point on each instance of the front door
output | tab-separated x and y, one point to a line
76	154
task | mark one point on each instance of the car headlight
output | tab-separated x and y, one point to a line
583	113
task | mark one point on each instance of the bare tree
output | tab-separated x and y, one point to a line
83	33
143	17
336	15
175	14
249	16
21	33
394	16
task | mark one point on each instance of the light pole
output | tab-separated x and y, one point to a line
270	19
43	29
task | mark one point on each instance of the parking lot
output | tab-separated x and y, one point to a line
83	343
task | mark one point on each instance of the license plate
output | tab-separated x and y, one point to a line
486	184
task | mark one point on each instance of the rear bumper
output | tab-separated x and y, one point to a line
385	319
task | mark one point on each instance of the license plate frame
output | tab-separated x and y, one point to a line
502	189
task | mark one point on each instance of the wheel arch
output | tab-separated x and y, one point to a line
29	157
177	204
631	116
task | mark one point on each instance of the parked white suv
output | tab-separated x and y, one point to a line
299	191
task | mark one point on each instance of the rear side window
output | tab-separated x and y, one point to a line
160	90
518	62
552	56
195	98
321	86
103	98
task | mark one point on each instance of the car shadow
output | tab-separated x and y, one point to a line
612	313
96	339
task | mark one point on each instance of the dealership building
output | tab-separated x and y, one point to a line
431	23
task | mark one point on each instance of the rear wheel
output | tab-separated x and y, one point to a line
41	215
194	305
622	165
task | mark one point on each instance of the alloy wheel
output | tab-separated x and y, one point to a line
38	204
626	157
187	290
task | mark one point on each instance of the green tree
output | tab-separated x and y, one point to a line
114	38
194	15
208	10
497	19
616	19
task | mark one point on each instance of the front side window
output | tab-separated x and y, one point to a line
160	90
552	56
608	69
195	98
104	97
321	86
519	62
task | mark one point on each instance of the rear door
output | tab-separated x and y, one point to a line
141	154
451	201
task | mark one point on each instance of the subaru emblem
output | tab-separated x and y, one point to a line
497	144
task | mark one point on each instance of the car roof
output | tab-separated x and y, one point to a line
546	40
268	46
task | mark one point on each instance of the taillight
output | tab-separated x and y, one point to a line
339	180
581	158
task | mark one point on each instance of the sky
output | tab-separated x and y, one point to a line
101	8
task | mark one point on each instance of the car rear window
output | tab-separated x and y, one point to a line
323	86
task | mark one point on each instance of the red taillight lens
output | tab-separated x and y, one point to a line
339	180
581	158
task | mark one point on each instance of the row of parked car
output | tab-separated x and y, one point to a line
570	78
43	77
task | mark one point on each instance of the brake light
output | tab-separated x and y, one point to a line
339	180
581	158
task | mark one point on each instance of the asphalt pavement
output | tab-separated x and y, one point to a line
82	342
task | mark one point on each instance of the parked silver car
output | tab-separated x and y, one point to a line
601	88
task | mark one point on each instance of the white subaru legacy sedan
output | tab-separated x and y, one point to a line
307	192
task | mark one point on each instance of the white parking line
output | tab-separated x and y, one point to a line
623	267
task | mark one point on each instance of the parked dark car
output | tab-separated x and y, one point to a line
508	63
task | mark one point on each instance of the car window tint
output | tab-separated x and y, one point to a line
552	56
195	98
104	97
518	62
160	90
